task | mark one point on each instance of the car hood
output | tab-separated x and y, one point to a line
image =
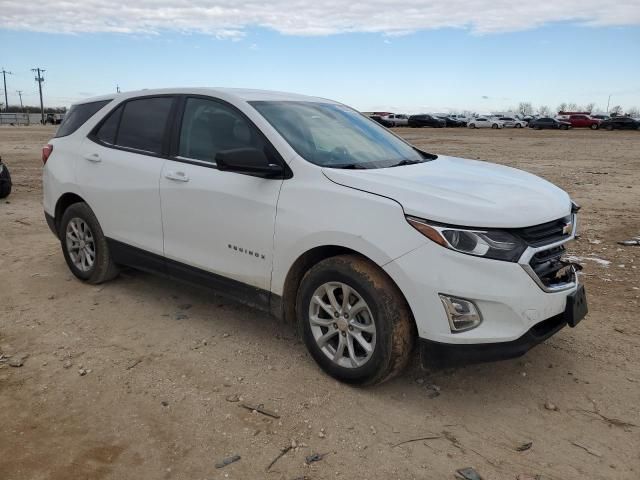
462	192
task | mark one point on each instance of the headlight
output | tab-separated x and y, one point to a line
495	244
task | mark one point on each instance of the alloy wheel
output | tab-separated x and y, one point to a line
342	324
80	244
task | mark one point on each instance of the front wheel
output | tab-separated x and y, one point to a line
84	245
518	125
472	125
495	125
5	181
594	126
355	322
609	127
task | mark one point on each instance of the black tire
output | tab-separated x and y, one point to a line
518	125
494	125
103	268
564	127
395	328
609	127
594	126
5	182
472	125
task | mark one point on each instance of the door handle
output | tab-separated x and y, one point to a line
177	176
93	157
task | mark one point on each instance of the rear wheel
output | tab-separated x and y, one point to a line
494	125
85	246
609	127
472	125
355	322
518	125
594	126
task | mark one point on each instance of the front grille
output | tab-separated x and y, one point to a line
545	233
551	269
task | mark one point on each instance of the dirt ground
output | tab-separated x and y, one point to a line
135	379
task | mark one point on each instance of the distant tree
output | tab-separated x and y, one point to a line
544	111
562	107
525	108
590	107
615	111
633	112
573	107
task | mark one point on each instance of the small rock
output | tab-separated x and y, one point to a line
322	434
232	398
82	371
51	297
550	406
185	306
181	316
225	335
294	444
164	403
373	430
67	364
419	381
18	360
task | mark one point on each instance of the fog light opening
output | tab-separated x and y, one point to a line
463	314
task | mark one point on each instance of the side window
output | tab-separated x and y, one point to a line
107	131
143	123
209	127
77	115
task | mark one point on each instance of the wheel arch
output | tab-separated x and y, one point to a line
65	201
287	305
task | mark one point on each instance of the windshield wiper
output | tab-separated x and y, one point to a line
402	163
349	166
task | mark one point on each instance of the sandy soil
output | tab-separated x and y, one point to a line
156	397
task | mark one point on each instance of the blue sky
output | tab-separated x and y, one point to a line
434	69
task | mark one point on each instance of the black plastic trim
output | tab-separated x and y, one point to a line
258	298
437	354
51	221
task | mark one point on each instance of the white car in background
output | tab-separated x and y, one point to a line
485	122
397	119
512	122
306	209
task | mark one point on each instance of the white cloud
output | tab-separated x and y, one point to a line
228	19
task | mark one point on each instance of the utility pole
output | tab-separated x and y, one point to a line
608	101
6	99
40	79
117	88
19	92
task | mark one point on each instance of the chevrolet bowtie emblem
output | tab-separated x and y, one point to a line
567	229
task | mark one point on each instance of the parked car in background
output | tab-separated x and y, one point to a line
451	122
620	123
583	121
485	122
601	116
425	120
464	259
5	180
397	119
381	120
547	122
512	122
54	118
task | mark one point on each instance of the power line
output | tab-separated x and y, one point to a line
40	79
6	99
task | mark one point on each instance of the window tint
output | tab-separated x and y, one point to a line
209	127
143	124
107	131
77	115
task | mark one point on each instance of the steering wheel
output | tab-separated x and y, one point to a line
340	154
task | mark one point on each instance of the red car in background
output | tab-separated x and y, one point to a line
580	120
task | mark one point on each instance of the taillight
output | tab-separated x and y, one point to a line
46	151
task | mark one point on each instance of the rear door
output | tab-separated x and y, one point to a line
120	170
217	222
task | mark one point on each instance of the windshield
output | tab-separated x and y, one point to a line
331	135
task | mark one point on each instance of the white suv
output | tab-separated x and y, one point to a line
309	210
485	122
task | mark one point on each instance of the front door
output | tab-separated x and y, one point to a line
216	222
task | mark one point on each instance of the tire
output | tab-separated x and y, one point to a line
494	125
537	127
609	127
472	125
594	126
391	339
5	182
518	125
102	268
564	127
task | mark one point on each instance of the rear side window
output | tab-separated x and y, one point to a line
77	116
142	124
107	131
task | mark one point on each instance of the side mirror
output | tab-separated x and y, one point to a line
249	161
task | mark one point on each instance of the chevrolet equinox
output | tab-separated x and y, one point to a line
305	208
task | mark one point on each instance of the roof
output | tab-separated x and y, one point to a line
237	94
